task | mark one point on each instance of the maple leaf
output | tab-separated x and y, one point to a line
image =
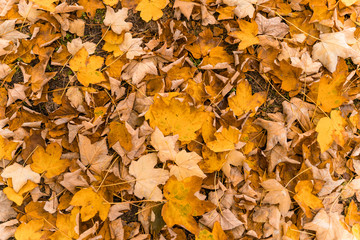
119	133
186	165
148	178
218	58
73	180
332	46
244	101
47	5
20	175
90	203
276	133
31	230
181	203
8	32
116	20
173	116
216	234
7	148
328	226
8	229
151	9
5	6
306	199
271	26
352	216
247	35
90	7
243	7
131	46
226	139
277	194
331	129
66	224
165	145
95	155
49	161
86	67
328	93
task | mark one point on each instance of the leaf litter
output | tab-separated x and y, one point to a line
184	119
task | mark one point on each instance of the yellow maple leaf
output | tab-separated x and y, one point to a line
7	148
212	161
330	130
66	224
247	35
181	203
352	215
49	161
86	67
244	101
216	57
47	5
327	93
216	234
119	133
90	203
171	115
226	138
306	199
17	197
151	9
30	230
90	7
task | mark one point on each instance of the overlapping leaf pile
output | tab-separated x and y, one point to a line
185	119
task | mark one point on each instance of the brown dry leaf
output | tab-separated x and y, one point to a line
94	155
276	133
277	194
166	146
119	133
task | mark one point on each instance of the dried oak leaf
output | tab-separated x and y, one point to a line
244	102
148	178
151	9
182	204
171	115
90	203
49	161
331	129
86	67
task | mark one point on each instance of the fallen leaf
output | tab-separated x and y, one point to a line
166	146
151	9
49	161
148	178
277	194
216	234
20	175
116	20
186	165
226	139
271	26
182	205
6	211
276	133
119	133
247	34
90	203
243	101
306	199
331	129
30	230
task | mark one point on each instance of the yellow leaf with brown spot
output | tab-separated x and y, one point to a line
216	234
182	204
244	102
86	67
90	203
306	199
247	35
119	133
49	161
171	115
151	9
330	130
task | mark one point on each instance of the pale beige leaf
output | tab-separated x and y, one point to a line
186	165
116	20
20	175
165	145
